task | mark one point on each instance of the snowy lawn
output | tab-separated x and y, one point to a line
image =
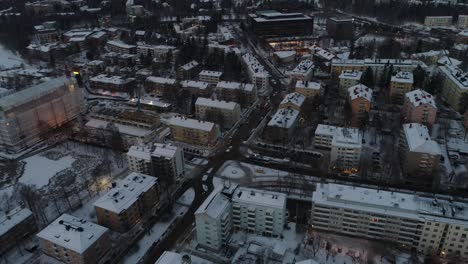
39	170
233	172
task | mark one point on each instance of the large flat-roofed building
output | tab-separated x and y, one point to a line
256	72
243	93
360	99
463	21
226	114
428	224
303	71
454	85
120	47
270	23
378	66
259	211
112	83
195	132
30	113
129	117
124	205
400	84
159	85
419	154
15	225
163	160
281	127
308	89
438	21
340	28
211	77
419	107
73	240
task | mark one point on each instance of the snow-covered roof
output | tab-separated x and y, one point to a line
72	233
194	84
118	80
191	123
374	62
294	98
215	204
285	53
126	193
124	129
445	60
403	77
234	86
254	65
140	32
216	103
347	137
459	77
360	91
308	261
284	118
259	197
420	97
419	140
161	80
323	53
351	75
275	16
304	67
325	130
190	65
157	150
13	218
169	257
150	101
210	73
120	44
308	85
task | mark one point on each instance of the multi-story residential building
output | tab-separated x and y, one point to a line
270	23
360	99
349	79
226	114
242	93
454	85
303	71
419	107
400	84
213	220
422	222
377	66
196	88
112	83
346	149
188	71
120	47
15	225
157	52
281	127
124	205
46	32
27	115
256	72
419	154
192	131
159	85
293	101
166	161
211	77
438	21
462	21
171	257
308	89
324	136
259	211
78	37
340	28
76	241
128	117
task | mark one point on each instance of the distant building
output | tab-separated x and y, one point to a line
194	131
463	21
159	85
419	154
226	114
419	107
196	88
270	23
400	84
120	47
377	66
129	117
455	84
281	127
438	21
112	83
244	94
157	52
308	89
76	241
256	72
349	79
340	28
27	115
170	257
360	99
211	77
293	101
15	225
124	205
188	71
165	161
303	71
46	32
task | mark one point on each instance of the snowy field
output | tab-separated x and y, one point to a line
39	170
8	59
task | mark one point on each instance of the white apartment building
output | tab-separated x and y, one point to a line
242	93
324	136
165	161
158	52
349	79
214	110
455	84
438	21
303	71
346	149
213	220
120	47
376	65
30	113
258	75
259	211
463	21
196	87
418	221
211	77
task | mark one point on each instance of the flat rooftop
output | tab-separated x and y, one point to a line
259	197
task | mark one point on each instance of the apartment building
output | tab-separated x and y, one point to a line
303	71
308	89
225	114
323	136
293	101
195	132
159	85
120	47
400	84
73	240
157	52
419	107
271	23
112	83
346	147
258	75
349	79
213	220
197	88
188	71
359	99
124	205
438	21
243	93
419	154
377	65
455	84
422	222
281	127
128	117
28	114
463	21
211	77
166	161
46	32
259	211
340	28
15	225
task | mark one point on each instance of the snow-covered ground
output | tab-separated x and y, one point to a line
8	59
39	170
187	197
232	172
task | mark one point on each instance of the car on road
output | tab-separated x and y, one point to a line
205	177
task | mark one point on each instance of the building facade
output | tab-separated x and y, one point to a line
211	77
244	94
400	84
159	86
419	107
257	74
112	83
438	21
455	84
226	114
281	127
271	23
195	132
340	28
359	99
